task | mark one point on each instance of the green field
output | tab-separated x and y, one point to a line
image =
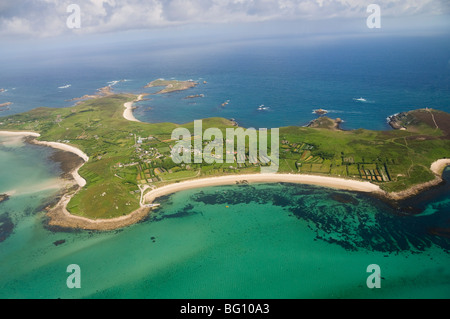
124	154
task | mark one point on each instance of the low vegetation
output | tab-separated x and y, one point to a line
124	155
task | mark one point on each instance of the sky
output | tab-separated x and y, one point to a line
43	19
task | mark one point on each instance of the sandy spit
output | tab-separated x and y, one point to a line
128	112
19	134
64	147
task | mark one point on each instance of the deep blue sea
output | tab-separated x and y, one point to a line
257	241
290	76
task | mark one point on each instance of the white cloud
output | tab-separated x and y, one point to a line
17	25
48	17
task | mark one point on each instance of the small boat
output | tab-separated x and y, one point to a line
361	99
262	107
65	86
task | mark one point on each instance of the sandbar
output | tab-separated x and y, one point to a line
128	112
64	147
19	134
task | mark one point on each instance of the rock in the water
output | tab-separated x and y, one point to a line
59	242
3	197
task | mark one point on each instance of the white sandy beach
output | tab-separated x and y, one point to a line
53	184
128	112
19	134
64	147
61	217
12	139
333	182
438	166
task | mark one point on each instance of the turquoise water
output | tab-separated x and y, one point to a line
272	241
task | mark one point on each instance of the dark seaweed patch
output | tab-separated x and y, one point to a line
164	200
185	212
378	231
279	200
352	220
344	198
67	161
6	227
59	242
244	194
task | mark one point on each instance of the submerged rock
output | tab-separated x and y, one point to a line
59	242
3	197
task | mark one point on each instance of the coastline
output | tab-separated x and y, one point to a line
437	167
325	181
19	134
67	148
79	181
59	215
128	112
63	147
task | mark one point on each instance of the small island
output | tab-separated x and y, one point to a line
320	112
171	85
194	96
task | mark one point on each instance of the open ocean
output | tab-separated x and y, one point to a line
291	77
273	240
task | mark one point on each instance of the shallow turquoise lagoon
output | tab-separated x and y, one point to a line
272	241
